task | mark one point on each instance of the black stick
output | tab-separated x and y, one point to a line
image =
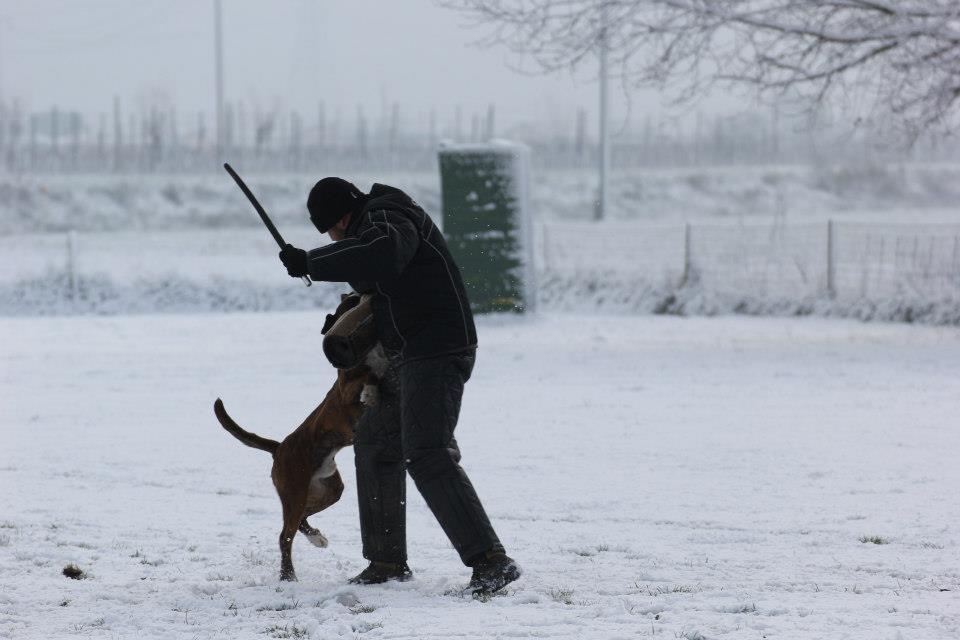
263	214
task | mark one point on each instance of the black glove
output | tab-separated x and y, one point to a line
295	260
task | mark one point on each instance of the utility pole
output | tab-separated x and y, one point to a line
1	59
218	62
601	207
3	21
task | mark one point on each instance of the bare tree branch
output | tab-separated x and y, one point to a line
903	56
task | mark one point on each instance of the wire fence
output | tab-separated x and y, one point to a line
832	261
875	261
160	138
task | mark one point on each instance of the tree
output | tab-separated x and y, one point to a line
898	59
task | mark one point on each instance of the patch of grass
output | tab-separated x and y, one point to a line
874	540
662	589
219	577
287	631
362	608
65	602
74	572
137	554
486	597
283	606
926	544
563	596
253	557
4	541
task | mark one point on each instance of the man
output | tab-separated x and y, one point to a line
384	244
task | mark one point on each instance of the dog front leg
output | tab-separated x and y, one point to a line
292	515
314	535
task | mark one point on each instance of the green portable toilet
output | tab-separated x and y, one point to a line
486	221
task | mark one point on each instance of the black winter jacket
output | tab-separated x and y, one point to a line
393	250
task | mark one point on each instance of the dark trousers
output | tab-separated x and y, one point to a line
411	430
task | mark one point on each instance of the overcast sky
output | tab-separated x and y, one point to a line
279	53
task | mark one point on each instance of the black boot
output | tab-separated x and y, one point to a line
380	572
493	572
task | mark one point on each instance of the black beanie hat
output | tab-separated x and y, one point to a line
331	199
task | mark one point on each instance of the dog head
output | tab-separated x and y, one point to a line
353	333
350	344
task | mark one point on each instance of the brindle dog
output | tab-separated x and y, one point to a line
304	471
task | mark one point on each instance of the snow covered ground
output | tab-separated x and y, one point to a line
656	476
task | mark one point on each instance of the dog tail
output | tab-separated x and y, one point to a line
247	438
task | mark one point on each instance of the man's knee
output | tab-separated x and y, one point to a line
424	465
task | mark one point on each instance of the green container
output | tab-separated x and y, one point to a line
486	222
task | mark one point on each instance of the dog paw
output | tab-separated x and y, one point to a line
318	539
370	395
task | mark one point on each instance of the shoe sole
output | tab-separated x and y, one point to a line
405	578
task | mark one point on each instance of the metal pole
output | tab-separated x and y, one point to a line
601	208
2	20
218	61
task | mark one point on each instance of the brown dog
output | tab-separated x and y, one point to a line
304	471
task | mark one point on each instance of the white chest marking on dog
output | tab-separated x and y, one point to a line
369	396
327	468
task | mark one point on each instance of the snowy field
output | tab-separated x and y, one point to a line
914	192
655	476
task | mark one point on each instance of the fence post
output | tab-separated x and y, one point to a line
71	265
686	254
544	246
831	262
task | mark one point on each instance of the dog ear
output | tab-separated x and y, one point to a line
329	322
347	302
